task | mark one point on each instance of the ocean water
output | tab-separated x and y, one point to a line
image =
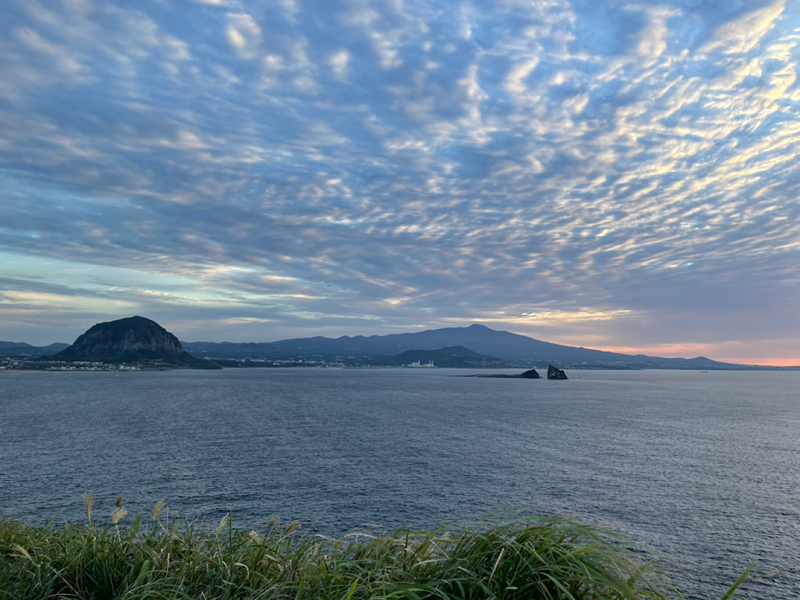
703	468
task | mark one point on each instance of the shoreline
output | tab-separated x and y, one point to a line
392	368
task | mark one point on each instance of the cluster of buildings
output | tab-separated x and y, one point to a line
277	362
92	366
8	364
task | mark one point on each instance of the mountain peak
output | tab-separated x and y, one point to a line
477	338
129	340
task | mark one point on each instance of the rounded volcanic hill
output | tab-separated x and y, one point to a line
131	340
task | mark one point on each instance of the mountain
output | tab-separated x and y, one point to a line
510	347
460	351
478	339
14	345
23	349
504	345
131	340
456	357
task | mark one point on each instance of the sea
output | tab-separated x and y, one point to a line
702	469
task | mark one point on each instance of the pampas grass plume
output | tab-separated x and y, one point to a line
157	508
88	501
118	513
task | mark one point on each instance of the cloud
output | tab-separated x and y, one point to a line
515	78
654	39
745	34
25	301
622	173
339	62
243	34
244	321
545	317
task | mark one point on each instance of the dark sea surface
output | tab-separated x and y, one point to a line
701	467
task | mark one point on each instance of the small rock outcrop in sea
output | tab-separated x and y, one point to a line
131	340
553	373
532	374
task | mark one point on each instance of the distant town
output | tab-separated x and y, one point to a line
37	364
22	364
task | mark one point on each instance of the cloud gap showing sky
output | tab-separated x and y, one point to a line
612	174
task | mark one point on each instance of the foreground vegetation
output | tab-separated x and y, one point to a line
500	558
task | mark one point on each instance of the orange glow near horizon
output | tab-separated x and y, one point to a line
766	362
694	350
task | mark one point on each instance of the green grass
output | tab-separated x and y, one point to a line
496	557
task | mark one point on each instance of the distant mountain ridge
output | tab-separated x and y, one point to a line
23	349
132	340
477	340
457	357
504	345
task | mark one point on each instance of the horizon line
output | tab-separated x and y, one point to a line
652	351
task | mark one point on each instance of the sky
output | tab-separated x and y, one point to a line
612	174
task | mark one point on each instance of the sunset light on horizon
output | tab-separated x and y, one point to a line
613	175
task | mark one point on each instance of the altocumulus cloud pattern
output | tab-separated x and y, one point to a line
610	173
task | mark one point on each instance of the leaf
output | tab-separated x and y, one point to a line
742	578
